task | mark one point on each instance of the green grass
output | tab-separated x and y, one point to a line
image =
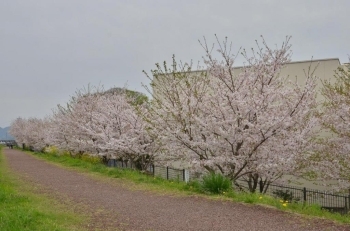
146	182
21	209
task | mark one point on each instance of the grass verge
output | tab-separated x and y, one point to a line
21	209
193	188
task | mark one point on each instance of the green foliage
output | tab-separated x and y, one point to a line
216	183
138	98
23	210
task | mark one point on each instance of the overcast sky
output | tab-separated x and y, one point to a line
48	48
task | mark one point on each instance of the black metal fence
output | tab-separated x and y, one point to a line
333	202
170	173
163	172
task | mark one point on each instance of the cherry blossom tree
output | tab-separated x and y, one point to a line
18	130
331	160
108	124
32	132
67	120
95	122
255	125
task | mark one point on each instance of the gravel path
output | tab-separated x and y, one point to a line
114	206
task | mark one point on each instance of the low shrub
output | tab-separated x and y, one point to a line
216	183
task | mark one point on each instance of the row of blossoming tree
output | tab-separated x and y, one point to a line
94	122
254	126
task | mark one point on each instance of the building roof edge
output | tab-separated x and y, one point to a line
292	62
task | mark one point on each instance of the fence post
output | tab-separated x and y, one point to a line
153	169
187	175
183	175
167	172
304	192
346	204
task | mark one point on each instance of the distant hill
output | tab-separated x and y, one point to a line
4	135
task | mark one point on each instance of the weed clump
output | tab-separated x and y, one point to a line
216	183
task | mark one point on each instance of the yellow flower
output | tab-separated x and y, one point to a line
285	205
286	201
260	197
281	201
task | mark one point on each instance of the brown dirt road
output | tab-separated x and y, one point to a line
116	207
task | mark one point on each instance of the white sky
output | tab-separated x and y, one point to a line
50	48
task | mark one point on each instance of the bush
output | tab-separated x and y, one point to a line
216	183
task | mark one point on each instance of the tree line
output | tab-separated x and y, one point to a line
254	126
